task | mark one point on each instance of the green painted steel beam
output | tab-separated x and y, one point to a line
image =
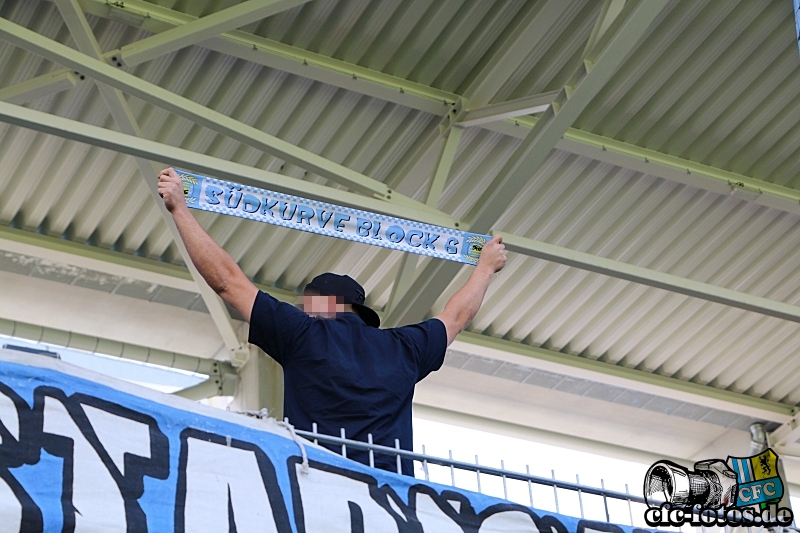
204	28
219	168
274	54
681	170
527	105
128	83
649	277
39	86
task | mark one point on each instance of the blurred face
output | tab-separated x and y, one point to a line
318	306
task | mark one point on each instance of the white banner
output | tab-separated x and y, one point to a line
217	196
84	453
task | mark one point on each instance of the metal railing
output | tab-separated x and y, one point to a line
479	470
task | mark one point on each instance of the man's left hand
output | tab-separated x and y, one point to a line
493	254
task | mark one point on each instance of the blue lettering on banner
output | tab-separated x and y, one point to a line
395	234
413	233
347	223
78	454
250	204
283	207
452	246
339	220
430	238
212	193
323	217
268	206
363	226
233	196
376	229
304	214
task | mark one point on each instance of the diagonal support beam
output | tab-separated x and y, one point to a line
652	278
39	86
527	105
610	10
447	155
529	31
204	28
590	77
219	168
274	54
787	433
118	106
102	72
408	264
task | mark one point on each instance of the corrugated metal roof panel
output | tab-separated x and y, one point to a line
713	82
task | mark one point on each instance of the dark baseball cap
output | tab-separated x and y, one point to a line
348	289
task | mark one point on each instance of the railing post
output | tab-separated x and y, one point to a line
630	510
425	463
397	456
478	474
371	453
555	490
505	489
530	485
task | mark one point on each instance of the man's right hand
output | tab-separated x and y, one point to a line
170	188
493	254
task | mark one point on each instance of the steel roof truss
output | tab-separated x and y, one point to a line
222	169
590	77
39	86
118	106
204	28
209	118
527	105
281	56
447	154
431	100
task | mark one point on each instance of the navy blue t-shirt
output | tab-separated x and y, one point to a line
341	373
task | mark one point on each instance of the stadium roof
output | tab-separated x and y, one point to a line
639	157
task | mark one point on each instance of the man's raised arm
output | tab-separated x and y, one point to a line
215	264
464	304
